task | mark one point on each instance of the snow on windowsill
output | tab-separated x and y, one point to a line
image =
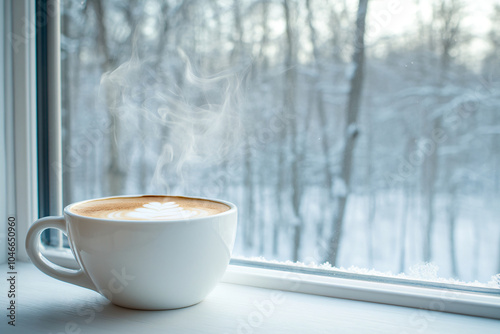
426	272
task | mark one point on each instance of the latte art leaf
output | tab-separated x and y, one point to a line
158	211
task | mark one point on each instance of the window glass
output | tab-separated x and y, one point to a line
367	142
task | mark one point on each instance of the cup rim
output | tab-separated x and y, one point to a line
232	209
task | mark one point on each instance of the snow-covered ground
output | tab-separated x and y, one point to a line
477	235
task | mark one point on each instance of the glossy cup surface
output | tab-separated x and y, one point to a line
153	264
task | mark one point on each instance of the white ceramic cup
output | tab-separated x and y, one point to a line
148	265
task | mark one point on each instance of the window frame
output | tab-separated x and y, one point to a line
39	188
48	59
20	80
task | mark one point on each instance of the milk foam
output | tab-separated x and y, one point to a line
158	211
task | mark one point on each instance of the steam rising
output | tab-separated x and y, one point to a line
191	120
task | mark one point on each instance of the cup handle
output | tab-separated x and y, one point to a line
73	276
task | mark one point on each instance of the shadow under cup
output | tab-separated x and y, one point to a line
143	264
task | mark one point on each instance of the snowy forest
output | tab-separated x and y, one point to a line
360	133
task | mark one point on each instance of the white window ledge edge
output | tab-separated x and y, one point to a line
443	300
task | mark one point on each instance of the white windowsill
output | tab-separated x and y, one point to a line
46	305
420	297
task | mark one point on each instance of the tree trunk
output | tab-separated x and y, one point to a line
66	106
264	64
249	186
372	194
404	228
283	150
115	173
350	131
407	204
496	191
249	227
290	100
430	179
449	14
280	188
452	215
325	142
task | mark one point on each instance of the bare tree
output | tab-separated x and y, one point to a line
66	101
249	175
372	193
406	206
318	98
491	70
447	17
290	105
115	173
350	131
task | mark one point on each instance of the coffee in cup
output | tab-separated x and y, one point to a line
148	208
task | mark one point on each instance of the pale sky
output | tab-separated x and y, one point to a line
384	22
